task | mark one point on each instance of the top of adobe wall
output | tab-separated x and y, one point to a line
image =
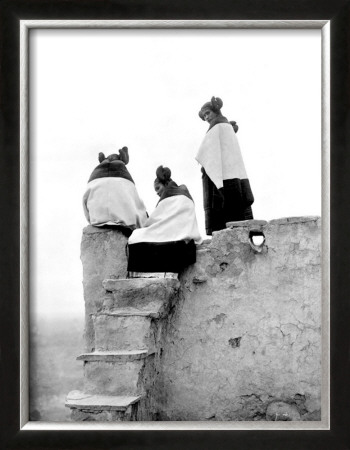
281	221
256	225
263	226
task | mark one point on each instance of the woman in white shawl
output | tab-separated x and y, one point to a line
167	242
227	195
111	198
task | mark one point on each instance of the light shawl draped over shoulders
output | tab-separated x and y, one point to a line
220	155
111	198
167	242
174	219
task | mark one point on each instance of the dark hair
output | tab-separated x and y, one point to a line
214	105
163	175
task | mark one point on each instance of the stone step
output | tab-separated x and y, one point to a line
120	355
152	275
78	399
253	223
105	408
136	296
125	284
114	377
127	312
114	332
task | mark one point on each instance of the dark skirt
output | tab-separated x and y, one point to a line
231	203
171	256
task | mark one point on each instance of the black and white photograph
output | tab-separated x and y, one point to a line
176	220
174	244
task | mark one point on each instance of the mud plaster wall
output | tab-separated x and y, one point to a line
243	340
103	256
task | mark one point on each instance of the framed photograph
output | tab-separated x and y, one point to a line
248	346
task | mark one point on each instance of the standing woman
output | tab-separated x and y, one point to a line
227	195
167	241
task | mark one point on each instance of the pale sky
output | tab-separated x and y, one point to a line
99	90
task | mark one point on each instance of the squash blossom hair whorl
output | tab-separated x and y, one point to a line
215	105
163	175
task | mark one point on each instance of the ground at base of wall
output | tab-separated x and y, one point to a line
275	412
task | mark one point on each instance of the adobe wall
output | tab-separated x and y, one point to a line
103	256
243	339
246	329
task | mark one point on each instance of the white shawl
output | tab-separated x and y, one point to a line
113	201
174	219
220	155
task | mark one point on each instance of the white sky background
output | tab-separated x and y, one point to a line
100	90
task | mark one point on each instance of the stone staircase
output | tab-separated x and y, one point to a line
121	372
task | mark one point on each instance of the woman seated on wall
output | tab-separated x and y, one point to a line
167	242
111	198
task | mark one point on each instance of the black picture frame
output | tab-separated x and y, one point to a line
335	11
